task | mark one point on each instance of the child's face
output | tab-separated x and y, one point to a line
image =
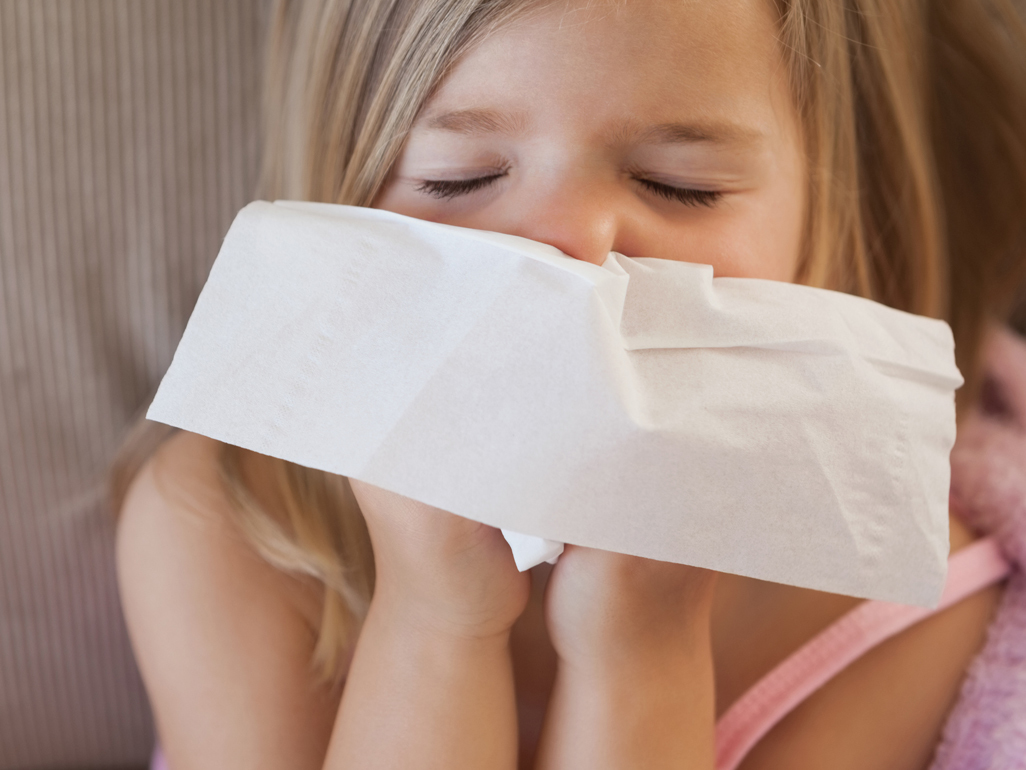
654	128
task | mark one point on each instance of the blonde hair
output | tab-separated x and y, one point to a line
914	118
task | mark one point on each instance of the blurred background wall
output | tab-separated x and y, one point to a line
128	141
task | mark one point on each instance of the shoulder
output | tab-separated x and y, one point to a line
179	498
215	628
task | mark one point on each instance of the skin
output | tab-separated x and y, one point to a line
542	132
654	128
548	104
693	152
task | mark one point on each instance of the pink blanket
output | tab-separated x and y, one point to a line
987	727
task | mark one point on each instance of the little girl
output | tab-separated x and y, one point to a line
286	618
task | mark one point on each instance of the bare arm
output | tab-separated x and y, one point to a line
419	697
634	686
431	683
639	714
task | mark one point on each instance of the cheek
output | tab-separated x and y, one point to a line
764	238
775	238
755	235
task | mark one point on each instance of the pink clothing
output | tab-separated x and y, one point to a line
828	653
987	727
158	761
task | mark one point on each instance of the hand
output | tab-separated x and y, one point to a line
439	571
608	609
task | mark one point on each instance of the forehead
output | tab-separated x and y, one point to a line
626	64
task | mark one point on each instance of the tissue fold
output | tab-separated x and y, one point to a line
643	406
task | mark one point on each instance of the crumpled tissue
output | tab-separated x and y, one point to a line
644	406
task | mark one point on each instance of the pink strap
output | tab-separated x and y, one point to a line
753	715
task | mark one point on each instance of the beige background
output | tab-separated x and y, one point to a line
128	141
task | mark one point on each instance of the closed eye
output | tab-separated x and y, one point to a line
453	188
685	195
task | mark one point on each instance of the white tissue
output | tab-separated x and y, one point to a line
643	406
530	551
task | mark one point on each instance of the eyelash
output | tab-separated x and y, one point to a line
452	188
685	195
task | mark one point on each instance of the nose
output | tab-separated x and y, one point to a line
576	215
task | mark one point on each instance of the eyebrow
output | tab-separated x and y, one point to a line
711	132
490	121
479	121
